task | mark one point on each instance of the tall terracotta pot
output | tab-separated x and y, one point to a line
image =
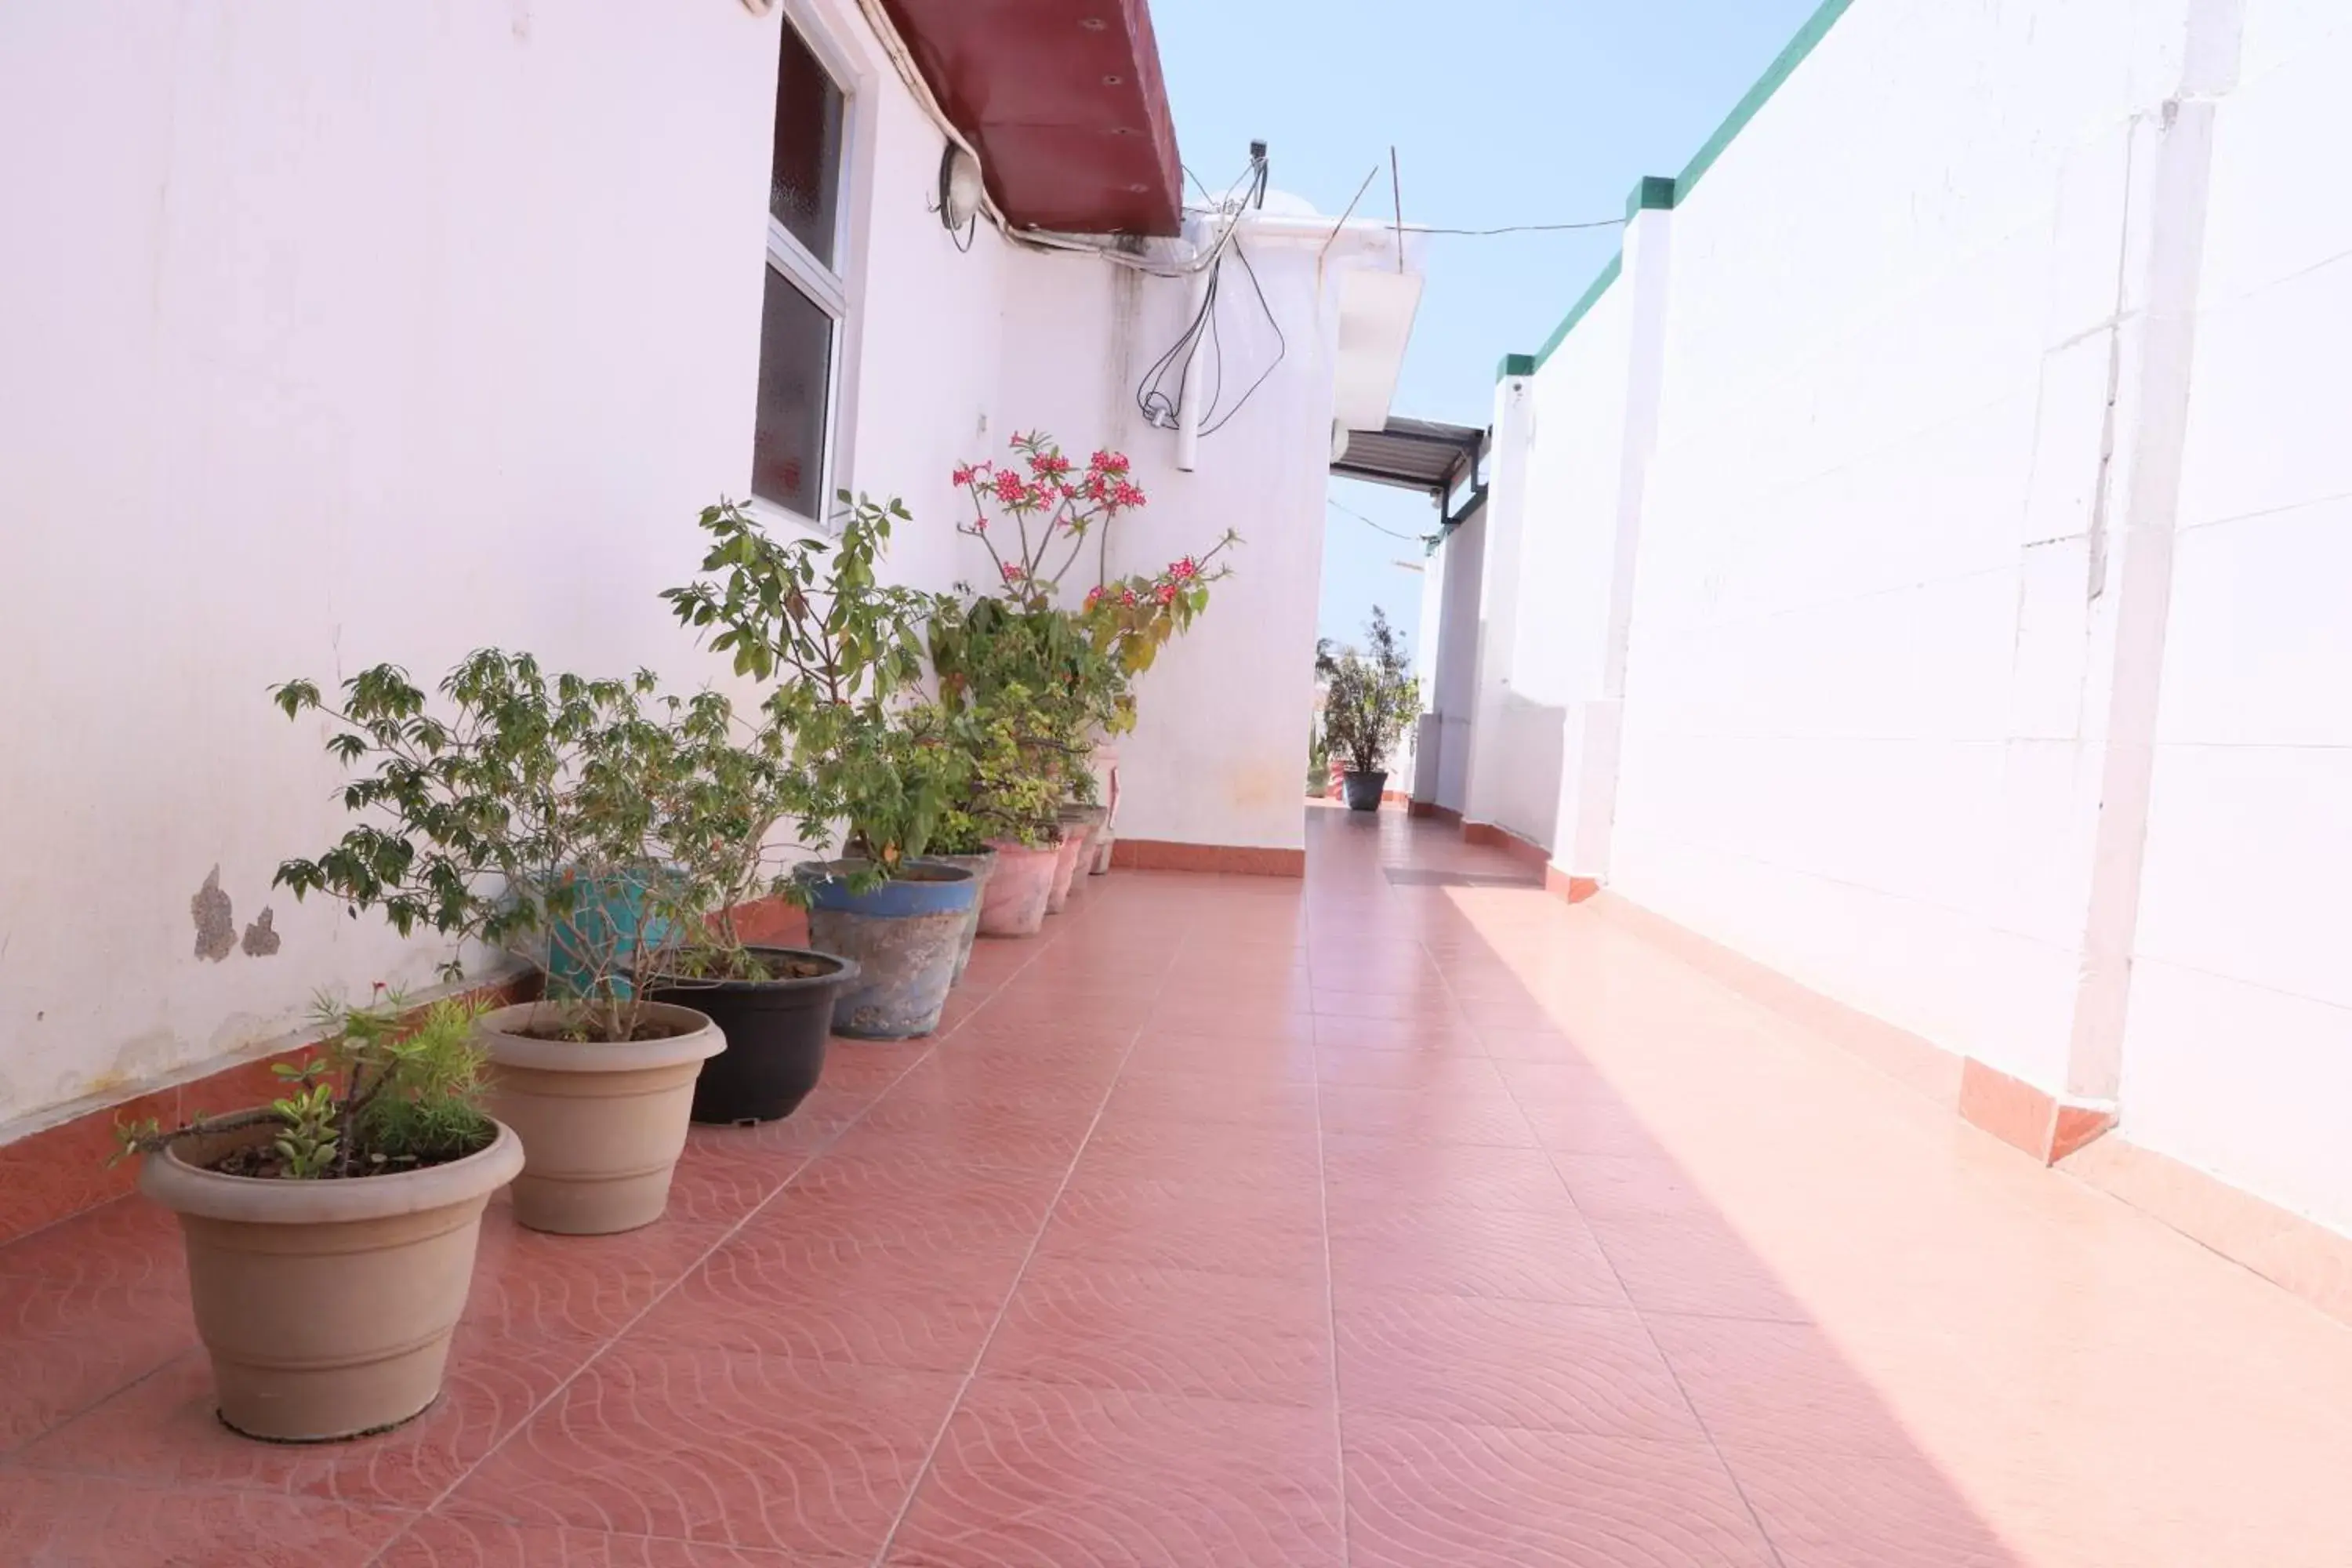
1106	769
327	1306
602	1123
1014	903
1075	836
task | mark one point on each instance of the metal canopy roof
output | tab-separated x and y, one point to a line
1416	454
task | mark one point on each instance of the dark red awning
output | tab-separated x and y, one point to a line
1063	101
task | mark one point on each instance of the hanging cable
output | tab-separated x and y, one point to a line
1380	528
1209	425
1520	228
1161	392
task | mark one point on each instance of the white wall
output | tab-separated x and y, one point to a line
1219	749
2238	1051
348	334
1985	646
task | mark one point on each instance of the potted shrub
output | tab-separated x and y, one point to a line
542	811
1047	510
872	765
331	1233
1029	683
774	1004
1001	818
1368	700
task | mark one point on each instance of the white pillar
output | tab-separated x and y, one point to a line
1589	786
2129	585
1498	596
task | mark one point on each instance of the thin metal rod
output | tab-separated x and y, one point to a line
1335	227
1396	189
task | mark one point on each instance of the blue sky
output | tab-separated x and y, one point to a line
1501	112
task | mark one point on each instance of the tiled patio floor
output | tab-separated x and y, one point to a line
1382	1221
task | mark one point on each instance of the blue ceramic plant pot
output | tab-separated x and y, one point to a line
903	934
608	926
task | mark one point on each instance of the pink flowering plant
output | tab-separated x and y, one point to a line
1035	512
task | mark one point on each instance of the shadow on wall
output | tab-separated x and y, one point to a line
1528	753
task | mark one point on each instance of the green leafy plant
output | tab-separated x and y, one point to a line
591	821
387	1089
1032	679
869	760
1370	697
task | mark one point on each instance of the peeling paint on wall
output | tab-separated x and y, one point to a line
216	920
260	938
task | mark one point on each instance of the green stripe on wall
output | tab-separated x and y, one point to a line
1577	311
1817	27
1657	192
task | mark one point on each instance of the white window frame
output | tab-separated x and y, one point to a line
830	288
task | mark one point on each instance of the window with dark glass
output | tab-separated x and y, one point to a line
800	322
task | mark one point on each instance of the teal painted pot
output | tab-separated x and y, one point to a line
608	926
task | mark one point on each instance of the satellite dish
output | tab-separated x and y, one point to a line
960	188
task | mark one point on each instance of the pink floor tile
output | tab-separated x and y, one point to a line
94	1521
1590	1262
164	1429
1527	1255
1425	1494
527	1284
870	1310
1148	1330
1893	1508
1501	1363
67	1343
1051	1476
720	1445
1672	1265
1368	1176
1221	1227
1446	1115
458	1541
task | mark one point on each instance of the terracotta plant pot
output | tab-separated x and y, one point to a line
602	1123
1066	864
327	1306
982	868
1098	847
904	935
1014	903
1078	825
775	1031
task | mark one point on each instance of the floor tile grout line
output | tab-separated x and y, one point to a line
808	1157
1649	1334
1331	1317
1028	1258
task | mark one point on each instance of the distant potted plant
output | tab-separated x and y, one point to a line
539	811
875	768
1369	698
331	1233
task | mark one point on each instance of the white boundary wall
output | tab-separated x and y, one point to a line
1949	689
341	334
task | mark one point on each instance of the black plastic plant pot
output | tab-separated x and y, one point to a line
776	1032
1364	791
